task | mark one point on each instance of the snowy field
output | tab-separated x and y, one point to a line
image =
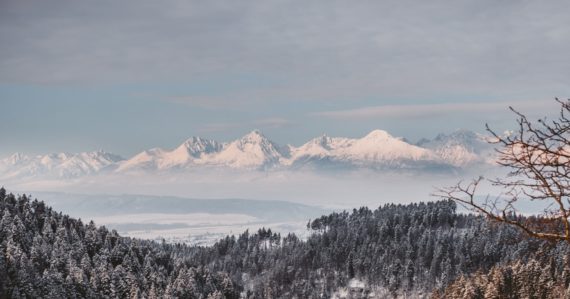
183	220
192	228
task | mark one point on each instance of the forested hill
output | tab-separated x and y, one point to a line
391	251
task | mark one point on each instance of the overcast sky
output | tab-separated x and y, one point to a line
130	75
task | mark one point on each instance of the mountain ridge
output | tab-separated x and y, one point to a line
254	151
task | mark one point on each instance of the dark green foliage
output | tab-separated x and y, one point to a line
399	249
44	254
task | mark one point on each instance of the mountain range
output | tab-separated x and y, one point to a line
377	150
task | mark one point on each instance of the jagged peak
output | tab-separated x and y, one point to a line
100	152
459	133
199	142
196	139
107	155
151	152
61	156
197	146
255	132
254	149
255	136
322	140
16	157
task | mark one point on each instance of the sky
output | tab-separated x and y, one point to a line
125	76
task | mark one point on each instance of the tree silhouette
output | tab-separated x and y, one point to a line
537	156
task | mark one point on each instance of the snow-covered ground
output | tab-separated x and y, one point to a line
193	228
183	220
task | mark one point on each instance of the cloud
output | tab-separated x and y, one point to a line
238	61
435	110
319	50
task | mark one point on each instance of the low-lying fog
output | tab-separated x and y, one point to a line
199	208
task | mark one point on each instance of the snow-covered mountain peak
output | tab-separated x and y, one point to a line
316	147
146	159
254	136
461	135
254	151
460	148
15	159
103	155
195	140
378	149
51	159
379	145
382	140
322	141
378	135
63	165
255	141
469	139
197	146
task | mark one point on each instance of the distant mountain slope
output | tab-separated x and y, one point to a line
186	154
62	165
460	148
254	151
378	149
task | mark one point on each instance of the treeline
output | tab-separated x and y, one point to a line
396	249
44	254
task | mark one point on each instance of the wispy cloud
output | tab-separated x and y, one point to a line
434	110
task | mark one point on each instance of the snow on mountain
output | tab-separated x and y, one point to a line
146	160
378	145
377	149
61	165
188	153
15	159
253	150
196	147
319	147
86	163
460	148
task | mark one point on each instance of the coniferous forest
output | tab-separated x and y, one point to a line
424	250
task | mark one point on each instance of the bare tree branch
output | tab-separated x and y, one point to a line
538	159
